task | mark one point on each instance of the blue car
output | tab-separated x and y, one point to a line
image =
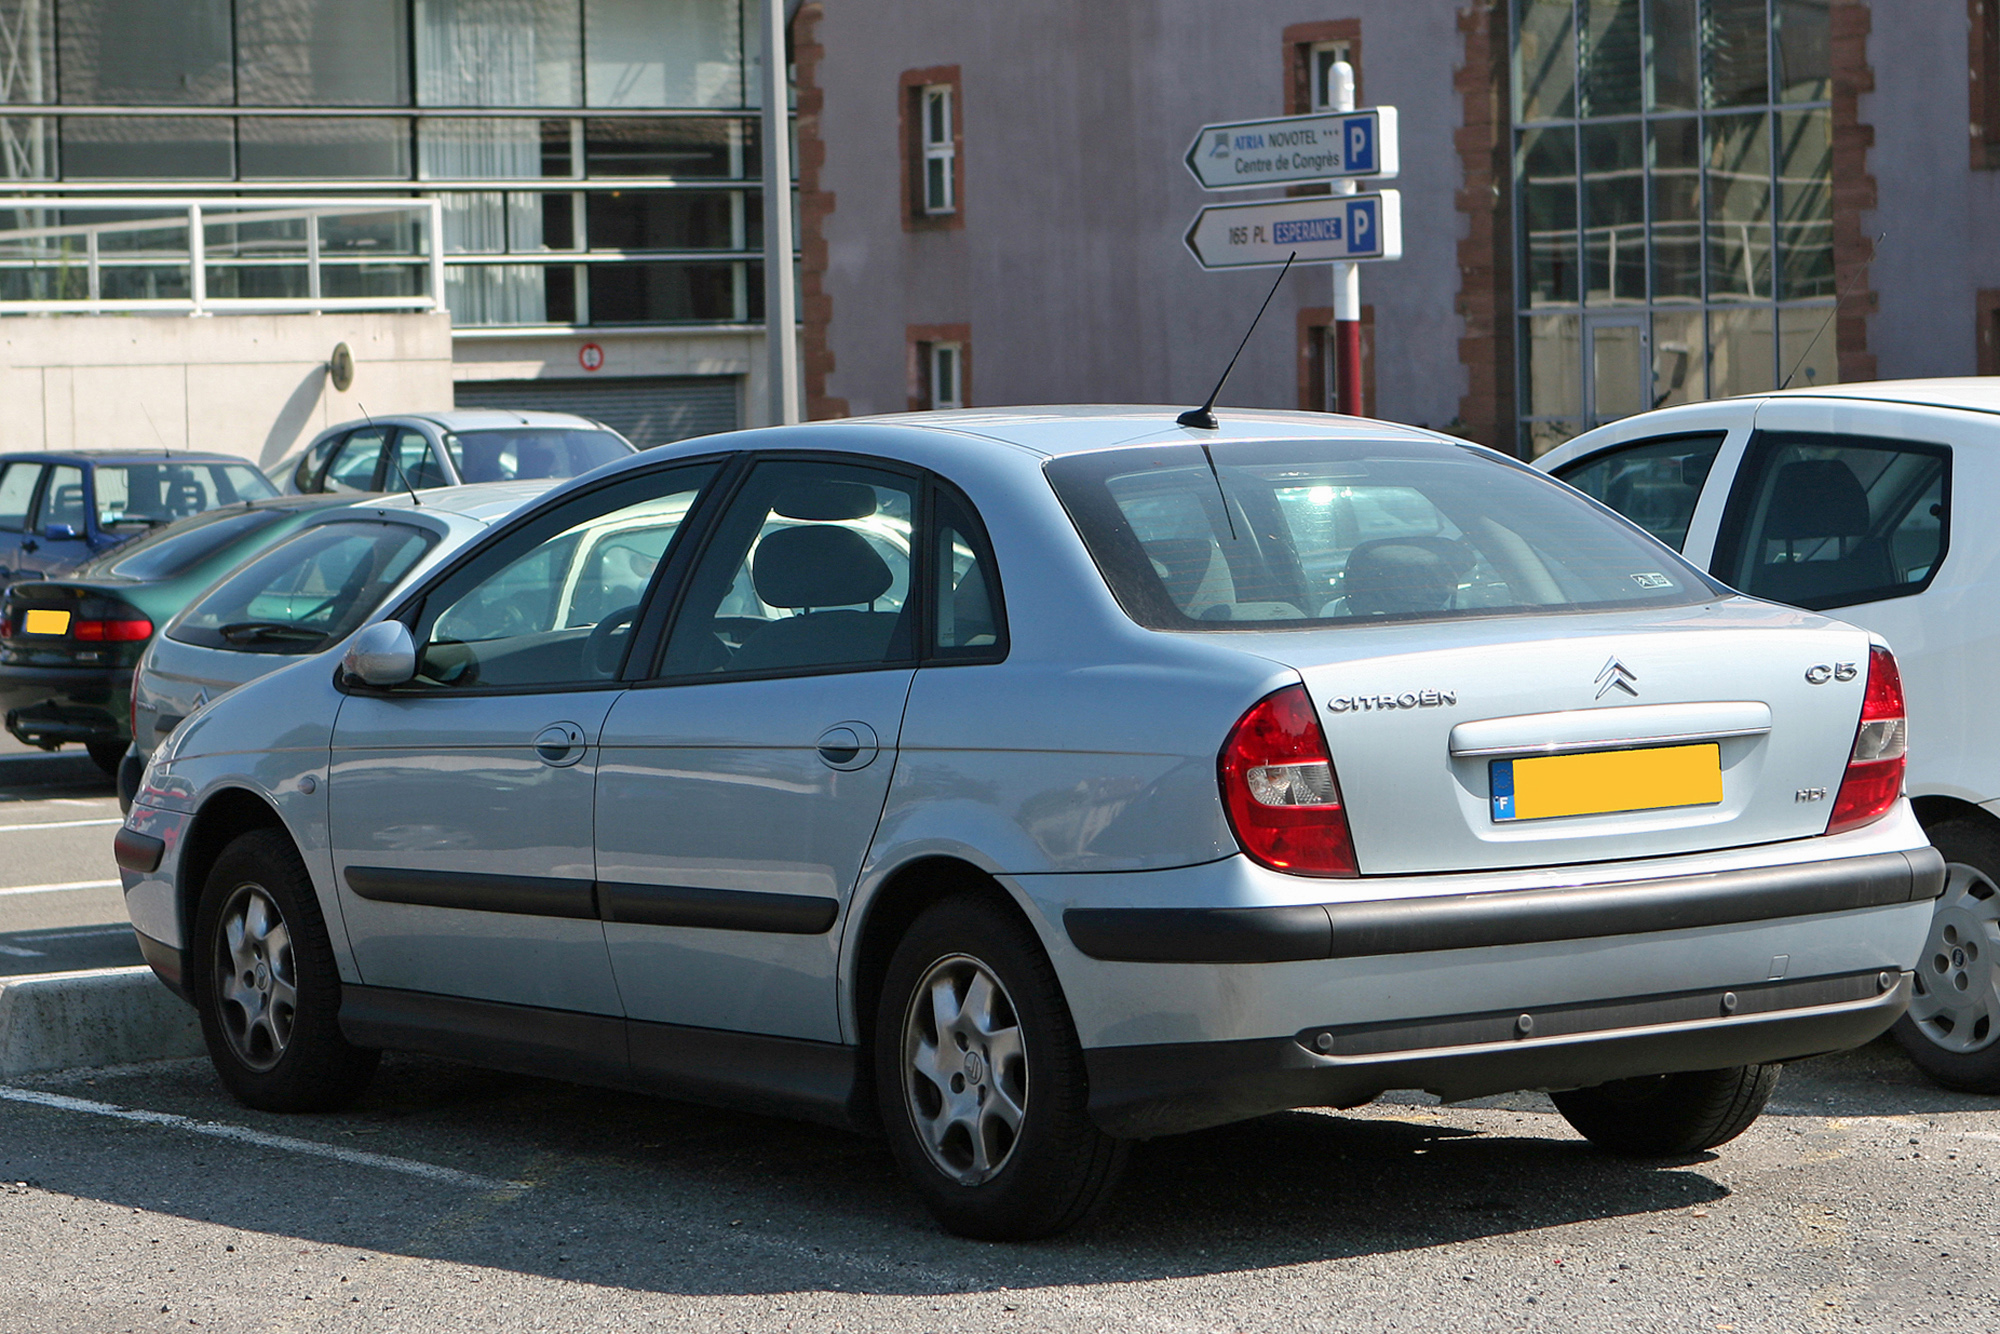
60	508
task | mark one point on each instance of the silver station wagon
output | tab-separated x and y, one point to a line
1024	783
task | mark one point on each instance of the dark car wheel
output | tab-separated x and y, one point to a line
1952	1030
1667	1116
266	983
106	755
980	1078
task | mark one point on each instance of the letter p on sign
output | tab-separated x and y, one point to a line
1360	152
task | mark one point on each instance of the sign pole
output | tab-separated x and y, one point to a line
1346	277
780	298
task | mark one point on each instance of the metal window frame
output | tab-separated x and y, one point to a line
938	149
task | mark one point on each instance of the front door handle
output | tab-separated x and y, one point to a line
849	745
559	745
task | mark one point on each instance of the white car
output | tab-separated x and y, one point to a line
1862	501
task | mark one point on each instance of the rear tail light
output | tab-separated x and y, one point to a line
1874	776
1280	791
129	631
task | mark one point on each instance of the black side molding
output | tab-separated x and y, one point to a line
1502	917
717	909
537	896
138	853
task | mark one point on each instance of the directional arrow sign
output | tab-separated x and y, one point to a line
1321	229
1240	155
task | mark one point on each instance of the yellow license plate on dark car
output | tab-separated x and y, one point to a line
42	621
1602	782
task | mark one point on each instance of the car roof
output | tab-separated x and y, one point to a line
482	502
1972	393
1056	431
472	419
101	456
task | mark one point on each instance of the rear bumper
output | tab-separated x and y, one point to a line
1169	1088
50	705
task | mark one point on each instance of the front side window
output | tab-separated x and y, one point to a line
1297	534
1654	483
358	461
1819	520
17	492
62	501
307	592
809	570
157	493
531	452
554	603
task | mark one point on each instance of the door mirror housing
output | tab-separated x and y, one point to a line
381	655
60	532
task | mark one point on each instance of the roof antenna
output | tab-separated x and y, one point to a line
400	475
1202	418
1831	312
165	448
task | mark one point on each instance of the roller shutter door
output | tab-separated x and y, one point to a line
648	411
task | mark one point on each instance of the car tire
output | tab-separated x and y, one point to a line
1019	1158
1952	1029
1669	1116
266	985
106	755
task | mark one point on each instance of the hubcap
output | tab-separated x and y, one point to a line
965	1069
1957	1000
256	984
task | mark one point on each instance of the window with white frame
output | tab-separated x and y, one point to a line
939	152
1324	56
947	379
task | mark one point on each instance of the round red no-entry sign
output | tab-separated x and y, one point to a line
590	356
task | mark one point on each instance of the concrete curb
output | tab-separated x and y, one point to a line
105	1016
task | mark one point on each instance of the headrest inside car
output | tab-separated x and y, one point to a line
826	502
1816	498
818	567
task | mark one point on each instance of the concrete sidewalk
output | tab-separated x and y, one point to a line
106	1016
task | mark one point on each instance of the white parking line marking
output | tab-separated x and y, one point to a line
41	936
447	1176
59	824
58	889
21	954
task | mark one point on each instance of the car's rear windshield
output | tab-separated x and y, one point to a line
158	493
521	452
306	592
166	552
1294	534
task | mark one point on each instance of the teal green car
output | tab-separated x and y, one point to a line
68	645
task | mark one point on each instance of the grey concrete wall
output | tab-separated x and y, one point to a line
1070	267
254	385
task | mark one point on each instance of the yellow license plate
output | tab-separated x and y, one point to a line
1605	781
42	621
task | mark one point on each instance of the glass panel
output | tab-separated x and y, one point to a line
355	465
17	489
165	553
1680	357
496	293
356	280
1655	484
498	53
558	219
417	465
145	53
1618	370
62	500
1833	520
357	148
264	282
681	148
663	53
1614	213
308	592
480	150
1804	50
27	52
663	293
165	146
157	493
1545	59
296	53
1807	353
1610	45
559	293
1805	203
663	220
1547	172
809	568
1672	79
966	613
381	232
1740	351
1739	207
27	148
530	452
1555	365
1675	147
264	239
1735	51
143	282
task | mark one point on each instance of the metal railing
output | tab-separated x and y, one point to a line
216	256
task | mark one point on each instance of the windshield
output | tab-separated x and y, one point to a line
159	493
1297	534
166	552
531	451
308	591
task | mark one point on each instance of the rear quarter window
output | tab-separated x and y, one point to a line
1654	483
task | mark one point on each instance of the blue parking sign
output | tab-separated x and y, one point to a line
1360	145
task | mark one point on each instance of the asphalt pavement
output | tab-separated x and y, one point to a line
61	909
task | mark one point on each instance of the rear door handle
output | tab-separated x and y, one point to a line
559	745
848	745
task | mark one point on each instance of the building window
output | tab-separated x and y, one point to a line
940	366
933	179
939	154
947	388
1323	56
1673	204
1983	34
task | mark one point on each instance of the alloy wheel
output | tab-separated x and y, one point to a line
965	1067
256	979
1957	1000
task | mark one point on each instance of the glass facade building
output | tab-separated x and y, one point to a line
597	161
1673	216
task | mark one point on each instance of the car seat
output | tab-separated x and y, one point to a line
1813	502
821	573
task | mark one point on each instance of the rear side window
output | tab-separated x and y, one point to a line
1819	520
307	592
1654	483
1295	534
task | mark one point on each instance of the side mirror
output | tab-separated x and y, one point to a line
381	655
60	532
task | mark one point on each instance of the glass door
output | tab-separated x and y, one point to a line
1618	358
